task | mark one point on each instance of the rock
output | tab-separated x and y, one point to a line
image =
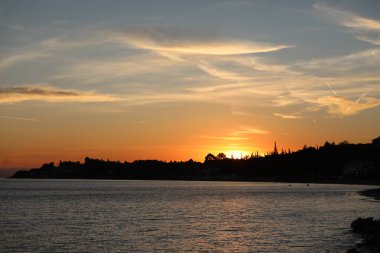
353	250
369	229
361	225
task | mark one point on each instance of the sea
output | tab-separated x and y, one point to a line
179	216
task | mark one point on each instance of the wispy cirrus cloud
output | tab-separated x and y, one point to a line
170	65
367	28
349	19
362	61
117	69
246	130
224	138
178	41
222	74
18	118
287	116
370	39
22	56
240	133
51	47
341	106
241	68
50	94
56	43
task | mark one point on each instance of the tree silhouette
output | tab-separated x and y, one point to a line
210	157
221	156
275	150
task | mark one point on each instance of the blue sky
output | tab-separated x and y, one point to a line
195	76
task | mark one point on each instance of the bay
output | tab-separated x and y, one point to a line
178	216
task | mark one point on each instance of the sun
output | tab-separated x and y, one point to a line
237	154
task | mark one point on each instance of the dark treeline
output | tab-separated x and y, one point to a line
343	162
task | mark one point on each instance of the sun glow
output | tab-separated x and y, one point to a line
237	154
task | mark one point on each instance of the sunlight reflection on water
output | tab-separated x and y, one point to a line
104	216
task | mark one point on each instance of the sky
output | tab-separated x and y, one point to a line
174	80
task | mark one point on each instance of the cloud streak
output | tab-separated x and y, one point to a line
170	65
23	56
177	42
366	28
369	39
225	138
222	74
287	116
50	94
241	133
362	61
245	130
341	106
19	118
349	19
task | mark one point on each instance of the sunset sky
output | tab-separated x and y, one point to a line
175	80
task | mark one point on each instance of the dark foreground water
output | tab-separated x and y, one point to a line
174	216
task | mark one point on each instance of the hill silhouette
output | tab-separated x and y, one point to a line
343	163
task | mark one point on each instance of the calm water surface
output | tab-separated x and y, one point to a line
172	216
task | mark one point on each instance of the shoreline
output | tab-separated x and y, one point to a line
367	193
371	193
226	179
367	228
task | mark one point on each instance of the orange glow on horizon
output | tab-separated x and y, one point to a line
237	154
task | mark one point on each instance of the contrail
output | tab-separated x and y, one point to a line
363	95
333	91
18	118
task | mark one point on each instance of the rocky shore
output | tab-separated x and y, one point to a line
372	193
368	228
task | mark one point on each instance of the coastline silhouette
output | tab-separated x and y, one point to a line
343	162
